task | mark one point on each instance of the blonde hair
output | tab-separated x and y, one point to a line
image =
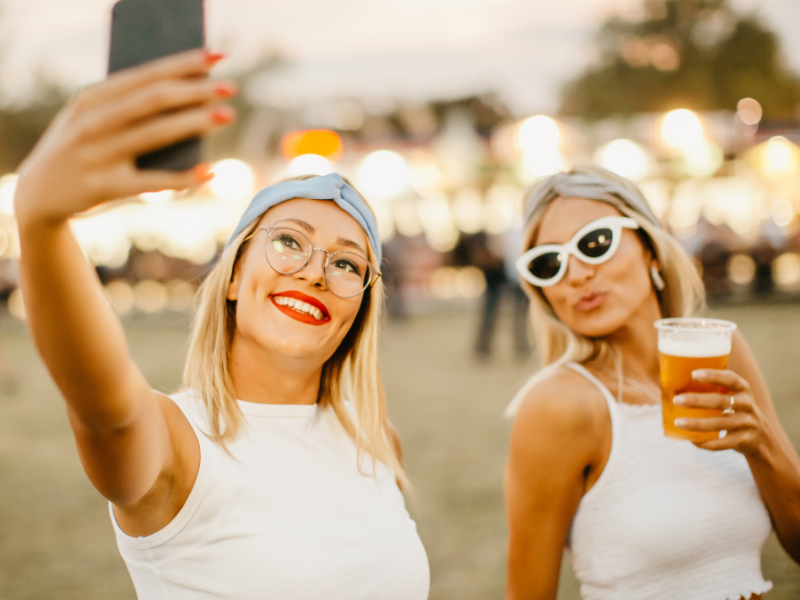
557	344
352	373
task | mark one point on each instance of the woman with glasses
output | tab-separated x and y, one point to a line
275	472
644	516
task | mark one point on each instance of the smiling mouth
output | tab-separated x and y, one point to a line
292	306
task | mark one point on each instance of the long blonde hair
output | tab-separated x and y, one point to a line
351	374
557	344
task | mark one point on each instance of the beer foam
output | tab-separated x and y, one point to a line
692	347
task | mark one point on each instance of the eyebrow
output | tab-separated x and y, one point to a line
311	229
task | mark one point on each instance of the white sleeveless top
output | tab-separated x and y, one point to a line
287	517
666	519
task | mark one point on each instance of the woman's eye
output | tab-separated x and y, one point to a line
289	242
347	266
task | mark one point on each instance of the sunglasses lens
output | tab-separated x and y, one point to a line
546	266
596	243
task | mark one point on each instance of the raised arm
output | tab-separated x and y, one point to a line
126	434
554	445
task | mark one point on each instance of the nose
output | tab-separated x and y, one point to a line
578	272
314	271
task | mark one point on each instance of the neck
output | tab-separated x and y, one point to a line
637	343
261	377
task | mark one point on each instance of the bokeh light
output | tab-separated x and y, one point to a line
181	295
781	211
120	295
150	296
437	223
406	218
468	210
383	175
681	129
702	159
323	142
8	187
233	180
157	197
749	111
537	133
309	164
786	270
16	305
780	156
624	157
741	269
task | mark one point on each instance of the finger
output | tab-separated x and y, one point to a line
708	401
728	379
157	98
731	441
163	131
194	63
728	423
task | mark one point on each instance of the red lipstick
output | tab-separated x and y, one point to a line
298	315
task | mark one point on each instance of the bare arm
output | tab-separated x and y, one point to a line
126	434
755	431
553	447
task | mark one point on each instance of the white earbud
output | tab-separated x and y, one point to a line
658	281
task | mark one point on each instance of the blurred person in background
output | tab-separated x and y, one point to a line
275	472
589	468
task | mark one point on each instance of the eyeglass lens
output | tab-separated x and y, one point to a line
346	273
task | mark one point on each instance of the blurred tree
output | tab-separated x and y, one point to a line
697	54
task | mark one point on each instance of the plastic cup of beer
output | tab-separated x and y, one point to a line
685	345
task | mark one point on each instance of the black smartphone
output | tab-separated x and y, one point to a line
144	30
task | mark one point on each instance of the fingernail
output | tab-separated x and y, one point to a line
225	90
203	172
213	58
679	400
681	423
698	375
223	115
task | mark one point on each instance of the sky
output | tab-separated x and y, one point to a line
406	49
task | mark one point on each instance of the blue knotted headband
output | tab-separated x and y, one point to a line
327	187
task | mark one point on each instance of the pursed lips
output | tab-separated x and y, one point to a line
301	307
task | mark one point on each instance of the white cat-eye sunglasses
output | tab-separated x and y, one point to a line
593	244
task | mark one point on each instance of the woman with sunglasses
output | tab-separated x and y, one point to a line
589	469
275	473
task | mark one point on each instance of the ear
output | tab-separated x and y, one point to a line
236	280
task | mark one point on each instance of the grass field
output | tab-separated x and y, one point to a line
56	540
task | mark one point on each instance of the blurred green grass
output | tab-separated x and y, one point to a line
56	539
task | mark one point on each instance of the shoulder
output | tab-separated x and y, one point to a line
563	415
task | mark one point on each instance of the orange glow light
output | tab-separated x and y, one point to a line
312	141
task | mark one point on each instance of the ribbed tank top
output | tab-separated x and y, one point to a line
285	516
666	519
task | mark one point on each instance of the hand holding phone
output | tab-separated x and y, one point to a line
144	30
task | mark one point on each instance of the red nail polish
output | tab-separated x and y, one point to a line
225	90
203	172
223	115
213	58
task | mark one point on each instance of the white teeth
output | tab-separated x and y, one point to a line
300	306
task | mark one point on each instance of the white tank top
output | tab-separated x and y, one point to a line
667	519
287	517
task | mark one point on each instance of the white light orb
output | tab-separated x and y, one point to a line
780	156
537	133
625	158
749	111
157	197
8	187
786	270
682	129
383	175
233	180
781	211
309	164
741	269
702	159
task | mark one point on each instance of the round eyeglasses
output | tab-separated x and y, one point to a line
347	274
